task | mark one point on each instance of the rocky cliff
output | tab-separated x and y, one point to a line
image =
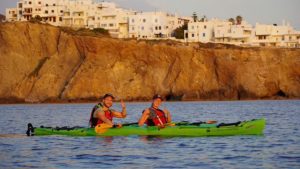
42	63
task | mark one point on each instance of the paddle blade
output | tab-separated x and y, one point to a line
211	122
102	128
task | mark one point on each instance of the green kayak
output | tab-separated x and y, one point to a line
252	127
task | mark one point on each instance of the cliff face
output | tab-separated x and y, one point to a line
42	63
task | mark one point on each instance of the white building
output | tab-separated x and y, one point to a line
123	23
90	14
78	13
244	34
153	25
11	14
219	31
50	11
204	31
241	34
115	20
276	35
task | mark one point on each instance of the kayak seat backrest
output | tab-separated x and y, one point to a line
229	124
182	123
197	123
45	127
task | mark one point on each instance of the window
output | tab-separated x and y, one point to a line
204	26
52	11
167	27
39	2
156	20
192	27
193	35
46	12
61	11
290	38
282	38
156	27
54	19
144	20
203	34
111	25
132	20
53	4
159	27
60	19
46	4
142	28
29	2
132	28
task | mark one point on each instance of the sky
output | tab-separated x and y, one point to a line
261	11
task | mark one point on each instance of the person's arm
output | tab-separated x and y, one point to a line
101	115
144	117
168	116
122	114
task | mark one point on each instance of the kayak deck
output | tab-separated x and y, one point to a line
253	127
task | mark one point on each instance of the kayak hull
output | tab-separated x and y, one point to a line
253	127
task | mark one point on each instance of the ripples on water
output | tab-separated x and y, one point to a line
278	148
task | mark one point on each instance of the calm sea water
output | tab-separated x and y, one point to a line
279	147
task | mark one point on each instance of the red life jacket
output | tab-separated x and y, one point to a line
95	121
108	115
157	117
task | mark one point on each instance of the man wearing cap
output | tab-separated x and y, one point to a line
154	116
102	113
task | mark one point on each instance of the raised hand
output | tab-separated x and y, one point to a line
123	104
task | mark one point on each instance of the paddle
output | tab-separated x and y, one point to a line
102	128
211	122
182	123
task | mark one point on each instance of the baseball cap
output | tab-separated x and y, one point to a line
108	95
157	96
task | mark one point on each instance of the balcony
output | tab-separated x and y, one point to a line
123	20
78	14
263	41
27	13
